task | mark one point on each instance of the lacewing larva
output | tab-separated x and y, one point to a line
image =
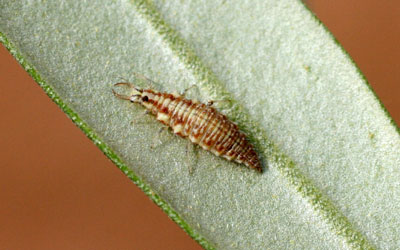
200	123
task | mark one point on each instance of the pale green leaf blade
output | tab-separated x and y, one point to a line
330	151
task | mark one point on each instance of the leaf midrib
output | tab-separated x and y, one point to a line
210	84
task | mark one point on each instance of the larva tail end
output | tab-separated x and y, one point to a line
256	166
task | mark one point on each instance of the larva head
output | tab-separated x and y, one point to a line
134	96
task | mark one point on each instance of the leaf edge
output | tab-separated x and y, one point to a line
107	151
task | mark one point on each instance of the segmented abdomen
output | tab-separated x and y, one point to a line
203	125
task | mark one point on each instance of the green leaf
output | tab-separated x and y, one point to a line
330	152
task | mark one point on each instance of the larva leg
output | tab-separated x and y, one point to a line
211	102
189	88
139	119
162	129
189	163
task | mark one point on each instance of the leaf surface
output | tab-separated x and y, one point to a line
330	152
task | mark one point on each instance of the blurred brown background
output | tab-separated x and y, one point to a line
58	191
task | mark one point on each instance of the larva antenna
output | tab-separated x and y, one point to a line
150	82
122	78
136	91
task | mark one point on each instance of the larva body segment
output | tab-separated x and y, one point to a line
200	123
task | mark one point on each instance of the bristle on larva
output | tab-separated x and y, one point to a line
200	123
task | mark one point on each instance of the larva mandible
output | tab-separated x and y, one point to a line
200	123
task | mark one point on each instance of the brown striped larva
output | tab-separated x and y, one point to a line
200	123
